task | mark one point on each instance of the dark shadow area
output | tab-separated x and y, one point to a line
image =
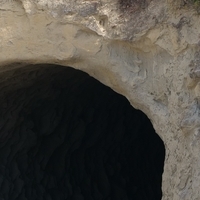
66	136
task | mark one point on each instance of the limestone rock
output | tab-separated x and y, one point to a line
146	50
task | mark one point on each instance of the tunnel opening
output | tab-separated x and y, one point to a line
64	135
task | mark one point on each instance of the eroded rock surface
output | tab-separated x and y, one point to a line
146	50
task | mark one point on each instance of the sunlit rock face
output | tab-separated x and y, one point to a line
64	135
147	51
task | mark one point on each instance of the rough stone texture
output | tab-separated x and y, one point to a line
147	51
64	135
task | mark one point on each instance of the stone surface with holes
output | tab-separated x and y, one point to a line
147	51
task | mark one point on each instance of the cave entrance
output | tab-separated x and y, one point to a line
64	135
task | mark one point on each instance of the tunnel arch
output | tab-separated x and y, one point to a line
66	136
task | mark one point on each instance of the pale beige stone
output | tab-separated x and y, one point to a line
147	54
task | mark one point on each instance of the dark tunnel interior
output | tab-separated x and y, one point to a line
66	136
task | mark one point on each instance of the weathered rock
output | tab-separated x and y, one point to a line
146	50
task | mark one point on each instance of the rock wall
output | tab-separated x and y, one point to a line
147	51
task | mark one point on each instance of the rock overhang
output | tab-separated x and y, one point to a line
144	50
